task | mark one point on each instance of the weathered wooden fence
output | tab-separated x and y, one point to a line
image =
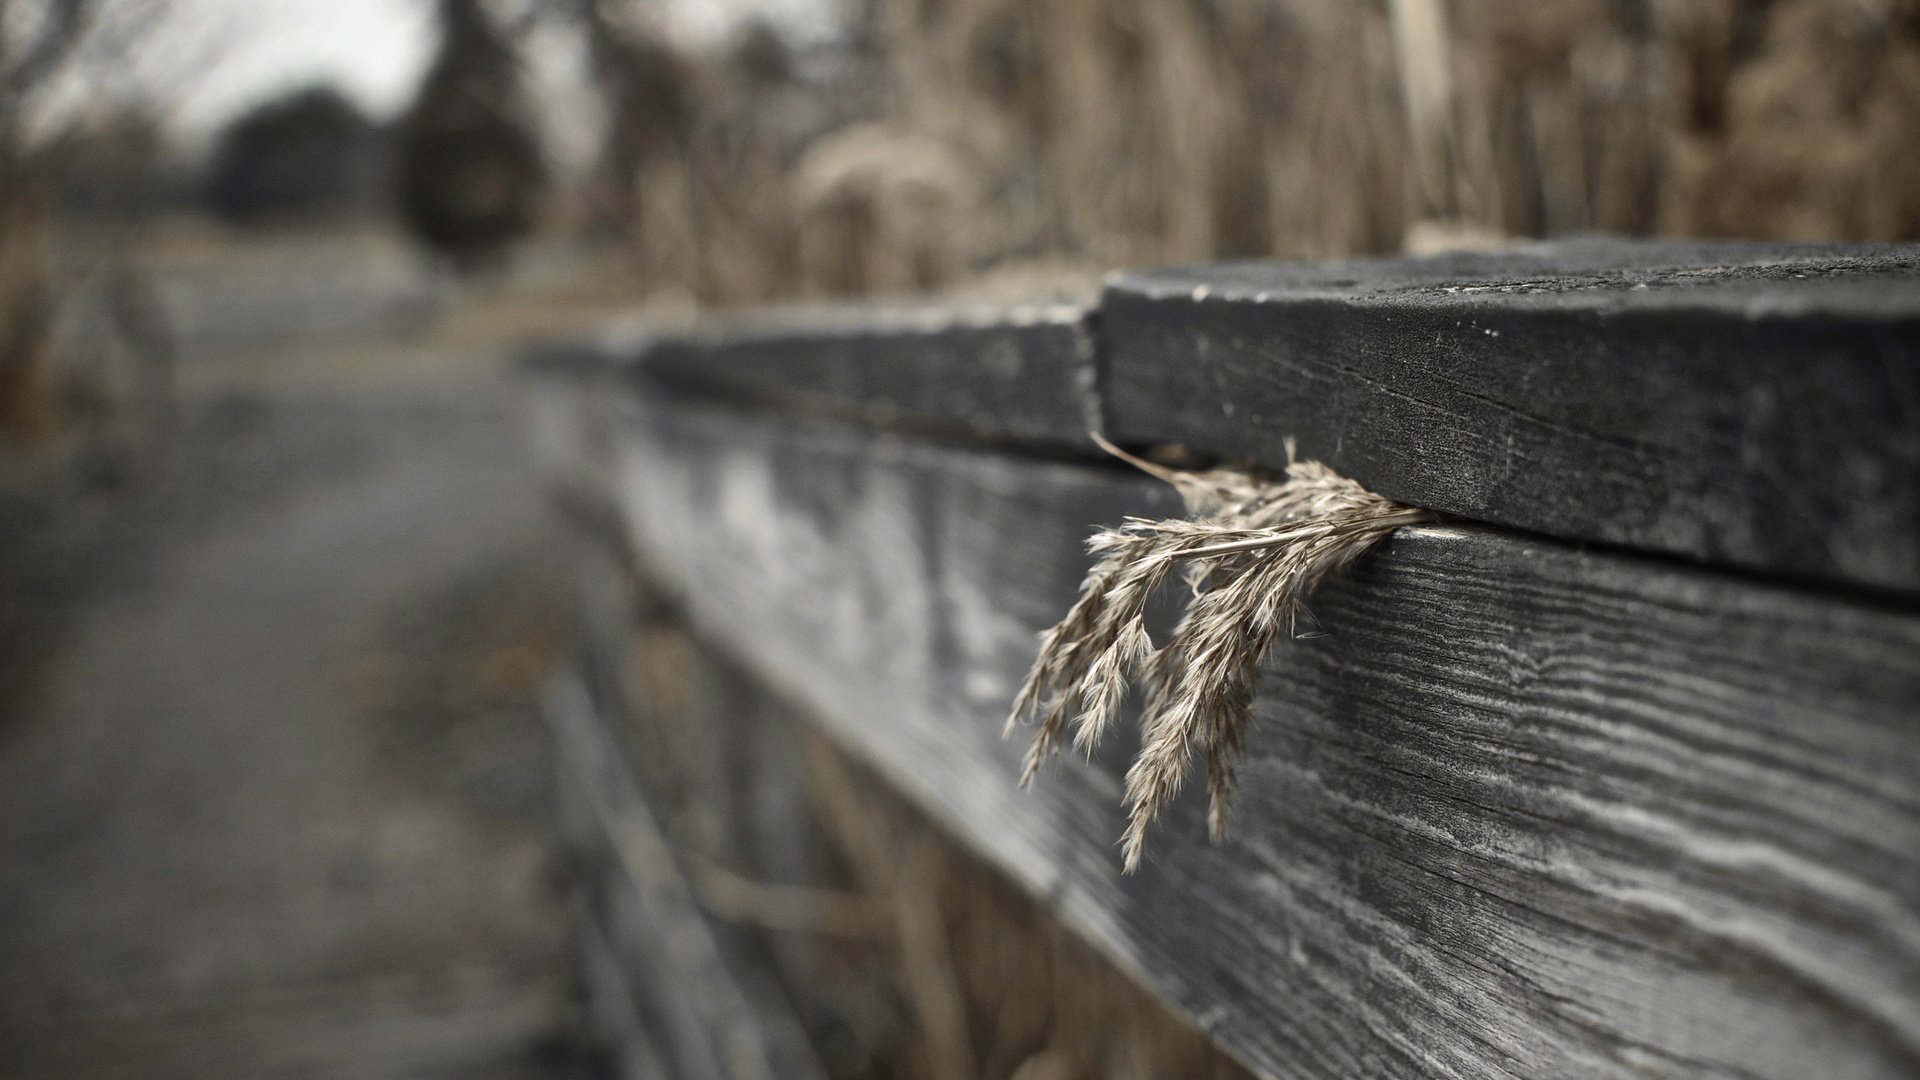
1615	772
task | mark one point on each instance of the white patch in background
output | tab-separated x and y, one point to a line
572	117
199	63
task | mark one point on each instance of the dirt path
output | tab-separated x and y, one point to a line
274	805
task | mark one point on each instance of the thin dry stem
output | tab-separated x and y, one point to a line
1257	547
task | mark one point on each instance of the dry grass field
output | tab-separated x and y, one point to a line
967	136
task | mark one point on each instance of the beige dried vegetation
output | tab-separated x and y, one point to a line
1103	133
1257	547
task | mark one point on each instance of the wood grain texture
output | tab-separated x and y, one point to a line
1749	405
1021	375
1524	811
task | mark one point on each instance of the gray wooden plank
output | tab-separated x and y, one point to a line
1526	810
1014	375
568	391
1753	405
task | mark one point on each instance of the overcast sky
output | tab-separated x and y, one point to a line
200	62
230	54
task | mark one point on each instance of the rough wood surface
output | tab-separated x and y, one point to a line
1524	811
1749	405
1021	375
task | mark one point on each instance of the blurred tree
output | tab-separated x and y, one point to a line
36	41
647	88
470	174
308	154
64	146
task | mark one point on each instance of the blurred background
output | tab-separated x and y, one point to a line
277	586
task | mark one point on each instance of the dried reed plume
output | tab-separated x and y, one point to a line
1256	548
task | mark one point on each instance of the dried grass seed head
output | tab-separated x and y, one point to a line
1256	548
